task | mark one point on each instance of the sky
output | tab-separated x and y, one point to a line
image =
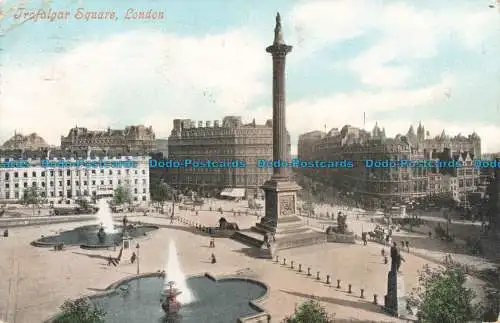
356	62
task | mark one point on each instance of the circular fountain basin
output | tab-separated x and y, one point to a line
86	237
216	301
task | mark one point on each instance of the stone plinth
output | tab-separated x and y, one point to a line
281	221
395	299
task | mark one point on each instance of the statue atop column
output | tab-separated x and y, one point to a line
278	33
396	258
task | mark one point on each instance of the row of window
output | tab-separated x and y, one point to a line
77	172
17	195
76	183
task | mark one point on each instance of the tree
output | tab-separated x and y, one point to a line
160	193
308	312
31	197
441	296
80	311
121	195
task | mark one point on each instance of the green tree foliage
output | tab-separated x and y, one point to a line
80	311
309	312
121	195
442	297
160	192
31	197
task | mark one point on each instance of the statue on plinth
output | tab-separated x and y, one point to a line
396	258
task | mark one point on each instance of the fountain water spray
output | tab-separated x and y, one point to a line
174	273
104	217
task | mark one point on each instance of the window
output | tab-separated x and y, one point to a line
51	194
77	183
7	195
16	174
135	190
119	182
68	182
102	171
51	184
16	195
33	174
25	185
60	173
25	174
119	172
60	183
93	182
68	173
16	185
43	184
110	172
135	181
43	174
6	185
143	191
33	184
84	183
143	181
143	172
102	182
60	194
110	182
51	173
6	176
135	172
144	198
93	171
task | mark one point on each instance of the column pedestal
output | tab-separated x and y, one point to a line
281	221
395	301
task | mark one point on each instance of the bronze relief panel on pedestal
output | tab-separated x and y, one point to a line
287	205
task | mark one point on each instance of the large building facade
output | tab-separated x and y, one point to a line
389	184
60	178
230	139
130	139
19	141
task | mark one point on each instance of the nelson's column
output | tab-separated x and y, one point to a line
280	192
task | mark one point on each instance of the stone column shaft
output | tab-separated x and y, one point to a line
279	114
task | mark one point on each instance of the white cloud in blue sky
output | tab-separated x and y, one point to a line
398	62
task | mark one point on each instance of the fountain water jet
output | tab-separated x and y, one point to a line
104	217
174	273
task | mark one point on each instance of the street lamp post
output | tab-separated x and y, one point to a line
138	258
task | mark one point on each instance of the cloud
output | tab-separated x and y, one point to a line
155	77
398	32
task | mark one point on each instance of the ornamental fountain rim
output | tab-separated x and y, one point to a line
255	303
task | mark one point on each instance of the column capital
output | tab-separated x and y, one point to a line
279	50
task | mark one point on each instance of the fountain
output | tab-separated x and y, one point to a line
103	235
170	305
104	217
174	274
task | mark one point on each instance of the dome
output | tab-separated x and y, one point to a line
19	141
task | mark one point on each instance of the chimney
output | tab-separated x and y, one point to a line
216	124
200	124
208	124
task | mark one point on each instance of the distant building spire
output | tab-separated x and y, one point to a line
278	33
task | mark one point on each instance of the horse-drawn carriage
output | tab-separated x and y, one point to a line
378	233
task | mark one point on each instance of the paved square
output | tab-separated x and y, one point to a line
36	281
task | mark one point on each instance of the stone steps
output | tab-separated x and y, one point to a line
248	238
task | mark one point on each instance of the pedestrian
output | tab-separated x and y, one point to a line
407	243
133	257
212	259
110	260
